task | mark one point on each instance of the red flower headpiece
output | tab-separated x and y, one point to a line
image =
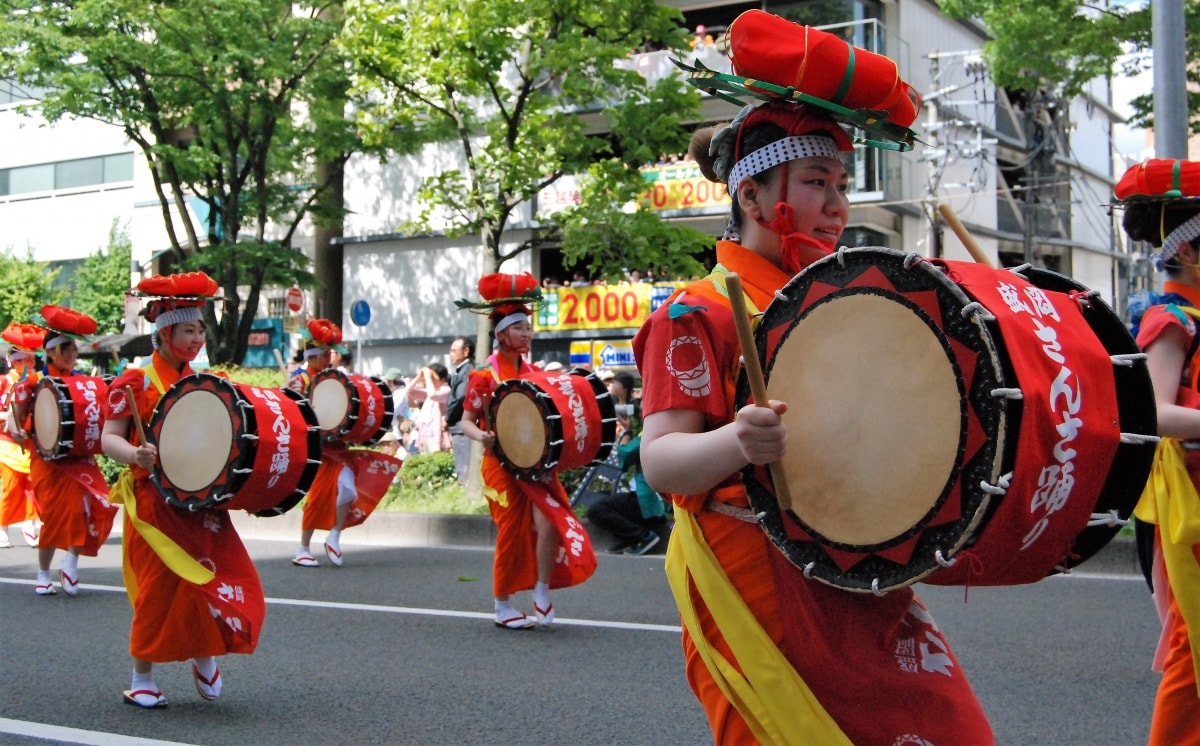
67	321
171	292
500	290
324	332
24	337
1160	180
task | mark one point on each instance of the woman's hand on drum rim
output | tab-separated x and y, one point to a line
487	438
760	432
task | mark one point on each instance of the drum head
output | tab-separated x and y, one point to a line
195	441
330	400
520	430
47	418
871	444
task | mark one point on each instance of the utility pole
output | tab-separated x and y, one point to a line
1170	79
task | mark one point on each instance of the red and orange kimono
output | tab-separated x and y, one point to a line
71	491
1171	503
772	656
511	501
18	502
194	590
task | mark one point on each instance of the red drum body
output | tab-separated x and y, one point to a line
547	422
350	407
67	420
949	422
233	446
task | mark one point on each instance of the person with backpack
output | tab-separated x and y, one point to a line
462	356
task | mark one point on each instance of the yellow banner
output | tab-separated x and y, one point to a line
599	306
682	187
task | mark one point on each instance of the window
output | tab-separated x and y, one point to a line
73	174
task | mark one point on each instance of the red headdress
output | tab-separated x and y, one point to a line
1160	180
24	337
324	332
174	293
503	294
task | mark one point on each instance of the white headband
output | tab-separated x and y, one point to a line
15	354
1189	230
177	316
509	320
55	342
782	151
314	351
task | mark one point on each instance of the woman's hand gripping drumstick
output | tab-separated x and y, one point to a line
145	455
968	241
758	385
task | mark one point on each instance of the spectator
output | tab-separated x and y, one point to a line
462	355
432	391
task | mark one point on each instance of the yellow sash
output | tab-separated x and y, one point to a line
1169	501
14	456
173	556
768	693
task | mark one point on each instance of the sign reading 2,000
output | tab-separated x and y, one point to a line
600	308
681	188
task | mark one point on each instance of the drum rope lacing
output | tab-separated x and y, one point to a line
733	511
1111	519
1127	360
1000	488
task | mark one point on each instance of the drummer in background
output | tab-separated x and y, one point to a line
195	592
1162	207
539	544
17	502
349	483
71	490
835	660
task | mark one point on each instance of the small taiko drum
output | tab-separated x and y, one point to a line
350	407
233	446
548	422
67	418
948	422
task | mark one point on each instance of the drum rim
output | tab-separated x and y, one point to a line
229	481
350	416
553	441
813	556
66	427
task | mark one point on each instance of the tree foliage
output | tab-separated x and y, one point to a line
527	91
224	98
101	282
1062	44
25	286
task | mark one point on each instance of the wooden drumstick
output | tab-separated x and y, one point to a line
282	365
758	385
137	418
960	230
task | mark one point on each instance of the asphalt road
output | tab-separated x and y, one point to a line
397	647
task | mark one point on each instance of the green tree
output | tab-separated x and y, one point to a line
101	282
223	99
527	91
1062	44
25	286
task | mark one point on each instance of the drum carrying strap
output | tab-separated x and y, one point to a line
768	693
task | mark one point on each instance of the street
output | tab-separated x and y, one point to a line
398	647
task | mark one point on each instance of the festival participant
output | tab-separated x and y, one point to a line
773	656
71	491
1162	207
194	591
539	544
349	482
18	504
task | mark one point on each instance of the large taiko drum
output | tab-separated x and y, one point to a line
948	422
67	418
233	446
350	407
548	422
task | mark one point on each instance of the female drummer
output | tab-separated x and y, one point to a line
17	502
349	483
539	544
772	656
194	591
71	491
1162	207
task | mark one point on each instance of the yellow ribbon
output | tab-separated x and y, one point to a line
1170	501
768	693
173	556
14	456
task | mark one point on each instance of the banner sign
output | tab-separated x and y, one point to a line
680	186
599	306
